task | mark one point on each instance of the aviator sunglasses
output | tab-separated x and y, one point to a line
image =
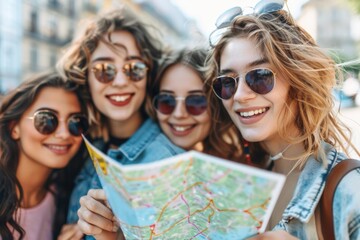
226	18
261	81
106	72
195	104
46	122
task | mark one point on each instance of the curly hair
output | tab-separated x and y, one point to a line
13	105
74	64
310	72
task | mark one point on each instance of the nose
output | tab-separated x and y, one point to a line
120	79
180	108
62	130
243	92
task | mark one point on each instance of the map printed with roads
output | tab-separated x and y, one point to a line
189	196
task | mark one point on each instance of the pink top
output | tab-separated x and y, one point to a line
37	221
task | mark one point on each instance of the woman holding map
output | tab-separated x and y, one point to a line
115	59
179	104
41	122
279	95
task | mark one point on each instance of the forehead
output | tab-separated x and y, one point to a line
56	98
180	77
124	43
240	53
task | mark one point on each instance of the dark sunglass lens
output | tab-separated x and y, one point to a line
268	6
196	104
104	72
224	87
135	70
78	125
45	122
260	81
165	103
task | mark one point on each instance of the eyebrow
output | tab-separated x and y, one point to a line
252	64
128	58
55	111
191	92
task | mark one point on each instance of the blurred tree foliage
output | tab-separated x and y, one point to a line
355	4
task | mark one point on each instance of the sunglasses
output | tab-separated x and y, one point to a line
46	122
260	81
106	72
226	18
194	104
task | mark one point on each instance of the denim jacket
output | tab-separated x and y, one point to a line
298	218
147	144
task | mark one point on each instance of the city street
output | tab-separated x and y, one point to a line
351	116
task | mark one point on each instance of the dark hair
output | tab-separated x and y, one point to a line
13	105
220	141
75	62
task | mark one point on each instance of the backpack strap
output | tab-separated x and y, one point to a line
326	201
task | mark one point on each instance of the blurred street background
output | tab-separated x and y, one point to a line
33	34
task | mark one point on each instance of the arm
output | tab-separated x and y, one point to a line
96	217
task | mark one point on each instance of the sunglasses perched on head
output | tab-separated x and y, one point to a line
106	72
195	104
46	122
261	81
226	18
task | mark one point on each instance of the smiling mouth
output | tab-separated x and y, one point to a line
252	113
120	98
181	128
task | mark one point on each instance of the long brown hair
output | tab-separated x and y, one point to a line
75	62
13	105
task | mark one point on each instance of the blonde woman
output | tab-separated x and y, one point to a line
276	85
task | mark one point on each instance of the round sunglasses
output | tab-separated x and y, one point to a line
261	81
106	72
194	104
46	122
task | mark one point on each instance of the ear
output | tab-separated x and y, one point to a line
15	131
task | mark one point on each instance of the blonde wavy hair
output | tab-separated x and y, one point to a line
74	64
311	74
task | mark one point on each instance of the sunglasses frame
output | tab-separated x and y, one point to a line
59	120
179	99
127	69
243	76
226	18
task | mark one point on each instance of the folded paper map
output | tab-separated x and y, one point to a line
188	196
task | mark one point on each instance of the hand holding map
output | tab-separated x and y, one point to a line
189	196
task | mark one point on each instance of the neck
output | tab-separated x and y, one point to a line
126	128
32	178
280	154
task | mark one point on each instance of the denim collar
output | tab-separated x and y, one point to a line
138	142
310	186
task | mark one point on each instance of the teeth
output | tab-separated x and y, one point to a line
119	98
58	147
253	112
181	128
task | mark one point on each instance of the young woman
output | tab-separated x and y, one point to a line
115	60
278	94
41	123
182	109
178	102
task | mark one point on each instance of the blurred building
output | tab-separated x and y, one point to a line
332	24
34	32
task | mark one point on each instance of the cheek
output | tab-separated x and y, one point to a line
227	104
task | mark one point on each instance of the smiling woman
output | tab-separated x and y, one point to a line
41	123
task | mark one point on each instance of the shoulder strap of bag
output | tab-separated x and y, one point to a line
326	201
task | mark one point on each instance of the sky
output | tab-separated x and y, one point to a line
205	12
